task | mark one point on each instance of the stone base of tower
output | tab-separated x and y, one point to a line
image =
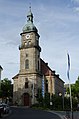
24	100
25	89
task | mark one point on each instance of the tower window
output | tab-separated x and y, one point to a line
26	84
26	55
26	79
27	64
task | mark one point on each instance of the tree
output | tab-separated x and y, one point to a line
46	100
6	88
74	89
77	88
74	93
39	97
43	101
57	102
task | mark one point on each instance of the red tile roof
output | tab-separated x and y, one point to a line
45	69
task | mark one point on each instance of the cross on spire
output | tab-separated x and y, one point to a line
30	7
30	15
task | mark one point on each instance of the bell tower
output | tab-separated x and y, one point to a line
29	77
29	48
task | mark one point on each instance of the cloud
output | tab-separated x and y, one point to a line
75	1
75	5
76	9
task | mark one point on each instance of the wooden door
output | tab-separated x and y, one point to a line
26	99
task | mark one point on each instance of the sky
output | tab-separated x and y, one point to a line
57	22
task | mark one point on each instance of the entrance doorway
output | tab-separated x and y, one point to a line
26	99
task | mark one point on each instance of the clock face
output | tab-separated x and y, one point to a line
27	36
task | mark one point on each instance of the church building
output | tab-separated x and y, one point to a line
33	69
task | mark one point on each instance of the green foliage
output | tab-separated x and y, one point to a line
66	103
6	88
46	100
39	97
74	93
57	102
74	103
43	102
75	90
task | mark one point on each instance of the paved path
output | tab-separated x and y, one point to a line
76	115
64	113
28	113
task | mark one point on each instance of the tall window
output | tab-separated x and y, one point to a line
27	64
26	84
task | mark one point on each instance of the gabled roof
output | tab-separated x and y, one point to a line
47	71
16	76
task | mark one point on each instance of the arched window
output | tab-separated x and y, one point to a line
26	64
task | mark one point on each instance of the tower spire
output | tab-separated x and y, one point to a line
30	7
29	26
30	15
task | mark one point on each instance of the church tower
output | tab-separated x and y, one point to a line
30	49
28	80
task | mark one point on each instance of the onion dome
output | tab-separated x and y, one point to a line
29	26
